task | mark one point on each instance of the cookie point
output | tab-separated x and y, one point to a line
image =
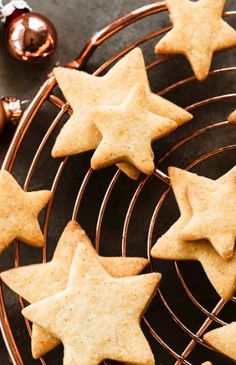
56	152
153	251
73	224
201	75
232	117
137	50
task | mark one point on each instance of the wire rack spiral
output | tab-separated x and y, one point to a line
131	214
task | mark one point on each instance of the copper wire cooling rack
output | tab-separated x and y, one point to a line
113	208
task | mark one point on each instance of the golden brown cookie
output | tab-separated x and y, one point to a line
97	316
84	92
232	117
198	31
128	131
223	339
19	212
213	205
221	272
36	282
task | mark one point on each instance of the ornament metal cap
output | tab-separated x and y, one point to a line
10	111
8	9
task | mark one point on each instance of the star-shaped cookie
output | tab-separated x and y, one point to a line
198	31
97	316
232	117
128	131
221	273
84	92
36	282
213	205
223	339
19	211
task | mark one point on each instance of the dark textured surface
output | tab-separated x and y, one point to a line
76	22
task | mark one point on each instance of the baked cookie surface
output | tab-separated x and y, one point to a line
39	281
97	316
84	92
198	31
19	212
221	272
223	339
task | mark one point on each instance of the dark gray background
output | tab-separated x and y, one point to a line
76	21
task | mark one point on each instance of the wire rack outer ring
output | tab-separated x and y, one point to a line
45	94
